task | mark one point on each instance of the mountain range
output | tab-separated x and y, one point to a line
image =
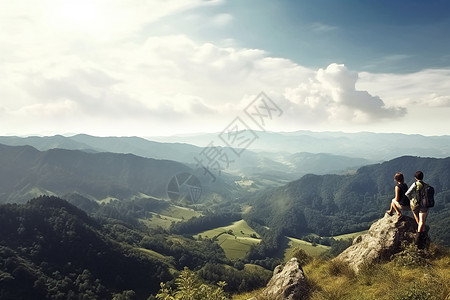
322	203
51	249
26	173
262	166
372	146
330	205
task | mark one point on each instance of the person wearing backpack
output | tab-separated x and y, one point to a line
420	212
400	202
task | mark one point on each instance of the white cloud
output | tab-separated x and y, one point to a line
436	100
57	109
427	88
331	96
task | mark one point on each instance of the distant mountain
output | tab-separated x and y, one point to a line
337	204
261	167
323	163
46	142
26	172
372	146
171	151
181	152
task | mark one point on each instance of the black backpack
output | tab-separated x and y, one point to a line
426	195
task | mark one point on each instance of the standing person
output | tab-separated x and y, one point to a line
400	202
420	213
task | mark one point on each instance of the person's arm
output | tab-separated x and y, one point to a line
409	193
397	197
397	193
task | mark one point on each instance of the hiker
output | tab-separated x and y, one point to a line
400	202
420	213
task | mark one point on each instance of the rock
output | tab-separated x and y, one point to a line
385	238
287	282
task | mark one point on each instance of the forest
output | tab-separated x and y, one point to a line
81	245
50	249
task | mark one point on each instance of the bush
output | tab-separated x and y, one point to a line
340	268
190	287
302	257
416	292
378	274
337	247
412	257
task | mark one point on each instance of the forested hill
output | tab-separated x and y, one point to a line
26	172
52	250
261	166
337	204
180	152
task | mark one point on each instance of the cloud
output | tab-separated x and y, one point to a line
171	65
331	96
427	88
388	61
57	109
322	28
178	79
115	76
436	100
221	20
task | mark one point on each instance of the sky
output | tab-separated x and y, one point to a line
166	67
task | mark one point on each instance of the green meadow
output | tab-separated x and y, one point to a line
166	217
315	250
236	247
310	249
349	235
235	239
166	259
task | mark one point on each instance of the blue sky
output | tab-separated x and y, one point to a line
156	67
374	36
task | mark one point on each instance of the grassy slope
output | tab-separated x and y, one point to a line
311	250
239	228
168	260
349	235
173	213
317	250
236	244
398	279
381	281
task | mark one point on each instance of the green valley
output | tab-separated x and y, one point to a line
235	239
115	207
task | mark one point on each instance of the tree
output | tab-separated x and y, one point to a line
302	257
125	295
189	287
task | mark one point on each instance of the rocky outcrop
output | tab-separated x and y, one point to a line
385	238
287	283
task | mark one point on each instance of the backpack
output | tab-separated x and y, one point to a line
426	195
